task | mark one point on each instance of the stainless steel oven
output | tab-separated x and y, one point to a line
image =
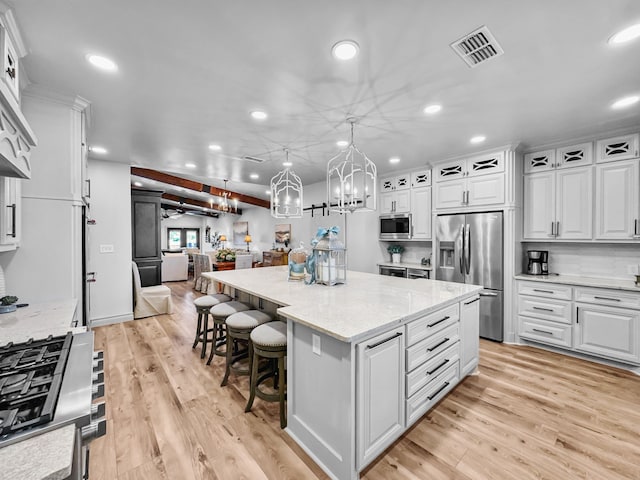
393	271
395	227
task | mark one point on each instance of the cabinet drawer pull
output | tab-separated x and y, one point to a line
542	331
377	344
474	300
439	321
608	299
543	291
431	372
437	345
543	309
431	397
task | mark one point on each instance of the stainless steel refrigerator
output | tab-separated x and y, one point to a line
469	250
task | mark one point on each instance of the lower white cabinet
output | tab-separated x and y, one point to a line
608	331
10	213
380	393
469	335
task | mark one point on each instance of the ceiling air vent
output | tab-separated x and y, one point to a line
477	47
254	159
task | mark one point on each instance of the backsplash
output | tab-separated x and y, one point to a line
589	260
414	252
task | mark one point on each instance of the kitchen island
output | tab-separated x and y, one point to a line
365	360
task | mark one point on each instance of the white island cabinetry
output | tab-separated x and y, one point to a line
364	360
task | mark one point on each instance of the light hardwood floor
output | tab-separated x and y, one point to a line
529	414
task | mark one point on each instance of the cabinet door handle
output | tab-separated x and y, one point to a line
541	331
474	300
13	220
577	314
88	180
91	277
467	197
543	309
431	397
543	291
557	228
429	325
552	234
431	372
488	294
438	345
377	344
608	299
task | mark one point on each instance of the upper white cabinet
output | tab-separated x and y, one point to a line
10	213
421	213
475	181
421	178
409	193
16	137
566	157
618	148
397	182
617	201
395	202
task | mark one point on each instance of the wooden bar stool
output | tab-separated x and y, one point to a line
203	306
269	341
239	328
220	313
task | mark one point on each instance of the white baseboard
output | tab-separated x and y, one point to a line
101	322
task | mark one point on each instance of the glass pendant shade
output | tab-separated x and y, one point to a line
351	181
286	194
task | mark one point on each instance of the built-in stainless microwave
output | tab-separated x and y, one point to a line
395	227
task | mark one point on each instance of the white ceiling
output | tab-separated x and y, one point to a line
191	71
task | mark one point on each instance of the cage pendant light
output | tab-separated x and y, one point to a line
286	193
351	180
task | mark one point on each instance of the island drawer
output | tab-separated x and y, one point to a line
539	289
432	346
433	322
431	369
613	298
545	332
546	309
431	393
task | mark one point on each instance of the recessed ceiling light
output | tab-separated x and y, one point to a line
137	184
103	63
259	115
255	176
190	165
394	160
626	35
98	150
430	109
625	102
345	50
286	164
478	139
342	143
214	147
268	192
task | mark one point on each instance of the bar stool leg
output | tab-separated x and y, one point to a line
281	375
205	335
198	330
229	358
253	378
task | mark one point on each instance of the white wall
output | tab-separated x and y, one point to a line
111	294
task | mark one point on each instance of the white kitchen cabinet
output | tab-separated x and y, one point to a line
10	213
565	157
380	393
421	178
395	202
470	167
617	201
469	335
397	182
608	331
421	212
618	148
558	204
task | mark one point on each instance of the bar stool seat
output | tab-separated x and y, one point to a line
220	313
203	306
239	327
269	340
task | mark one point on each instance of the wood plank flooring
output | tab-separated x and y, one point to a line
529	414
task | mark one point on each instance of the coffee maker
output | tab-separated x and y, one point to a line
538	262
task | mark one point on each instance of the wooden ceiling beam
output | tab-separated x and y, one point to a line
197	186
193	201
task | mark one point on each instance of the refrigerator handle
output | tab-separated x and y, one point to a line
468	249
462	255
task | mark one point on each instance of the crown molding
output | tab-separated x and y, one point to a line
10	24
40	92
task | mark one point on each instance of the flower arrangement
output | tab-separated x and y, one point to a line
395	249
226	255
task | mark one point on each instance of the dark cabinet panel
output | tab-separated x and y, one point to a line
145	232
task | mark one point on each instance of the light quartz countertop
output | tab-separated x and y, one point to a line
419	266
44	457
38	321
613	283
366	305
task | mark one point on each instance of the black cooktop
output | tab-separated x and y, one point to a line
30	380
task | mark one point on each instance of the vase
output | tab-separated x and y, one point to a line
395	257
